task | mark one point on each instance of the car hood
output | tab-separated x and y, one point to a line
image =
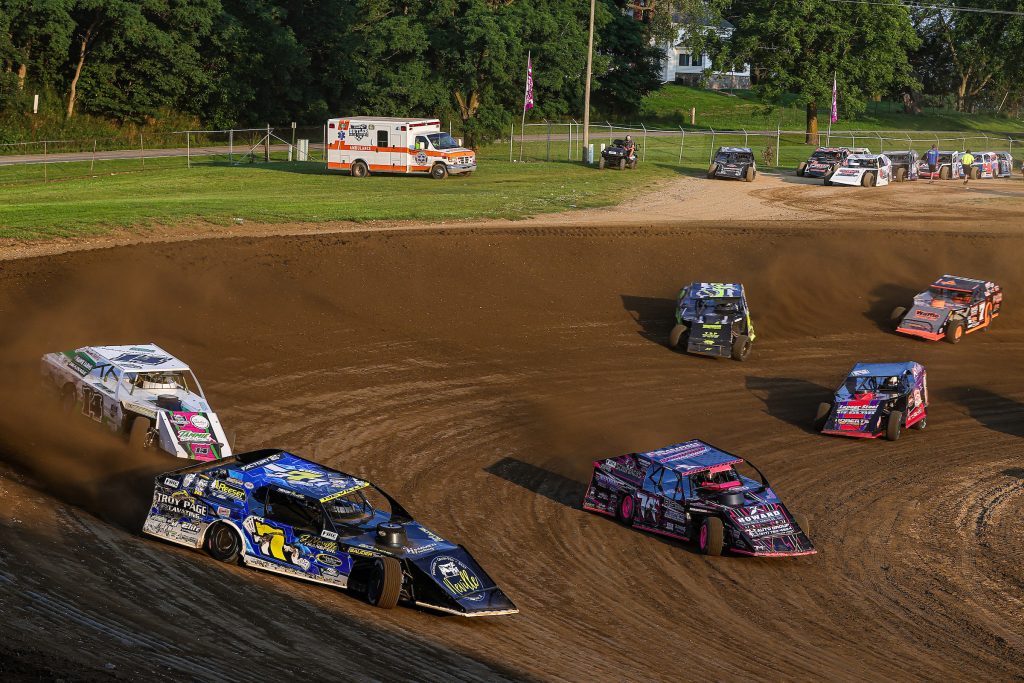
849	176
856	415
925	317
770	530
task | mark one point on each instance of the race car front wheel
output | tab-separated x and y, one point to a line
896	317
920	424
824	410
138	433
223	544
625	511
749	175
894	425
711	538
955	332
677	336
868	180
385	584
800	169
741	347
711	170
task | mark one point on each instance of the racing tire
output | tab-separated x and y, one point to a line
824	410
359	169
920	424
741	347
894	425
68	399
622	164
749	175
867	180
711	537
828	181
901	175
677	336
944	173
223	544
384	586
975	173
438	171
955	332
803	523
801	169
600	164
138	432
711	170
896	317
625	510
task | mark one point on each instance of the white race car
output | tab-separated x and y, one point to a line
141	392
869	170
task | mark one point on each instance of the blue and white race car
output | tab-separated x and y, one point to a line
867	170
877	399
273	510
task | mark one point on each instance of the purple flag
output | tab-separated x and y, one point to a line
835	99
528	102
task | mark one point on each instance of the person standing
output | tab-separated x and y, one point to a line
932	159
966	161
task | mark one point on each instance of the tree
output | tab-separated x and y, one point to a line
632	64
38	35
795	46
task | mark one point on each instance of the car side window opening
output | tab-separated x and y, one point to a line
652	482
670	485
296	511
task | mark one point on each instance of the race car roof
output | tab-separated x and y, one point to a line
690	456
292	473
744	150
854	157
710	290
137	358
882	369
964	284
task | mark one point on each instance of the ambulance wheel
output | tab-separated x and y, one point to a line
824	409
222	543
138	433
677	336
901	175
955	332
896	317
800	169
360	169
868	179
622	164
384	586
439	172
600	164
894	425
944	173
711	538
741	347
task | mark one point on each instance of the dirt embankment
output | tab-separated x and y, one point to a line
475	374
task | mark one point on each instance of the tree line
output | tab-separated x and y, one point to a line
248	62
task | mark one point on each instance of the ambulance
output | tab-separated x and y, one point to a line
363	145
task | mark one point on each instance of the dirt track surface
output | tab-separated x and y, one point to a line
475	374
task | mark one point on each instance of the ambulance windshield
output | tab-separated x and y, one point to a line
442	141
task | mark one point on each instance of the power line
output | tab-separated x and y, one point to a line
947	8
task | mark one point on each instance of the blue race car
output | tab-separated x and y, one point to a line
712	319
877	399
276	511
691	491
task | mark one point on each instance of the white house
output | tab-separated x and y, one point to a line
679	66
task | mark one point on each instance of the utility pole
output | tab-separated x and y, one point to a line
586	96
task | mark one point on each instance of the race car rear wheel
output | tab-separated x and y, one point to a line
222	543
824	409
801	168
678	336
901	175
600	164
385	583
975	173
896	317
138	433
955	332
711	537
894	425
711	170
868	179
749	175
741	347
944	173
359	169
625	511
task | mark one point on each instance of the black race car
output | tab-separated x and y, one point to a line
823	162
712	319
733	162
691	491
621	154
904	165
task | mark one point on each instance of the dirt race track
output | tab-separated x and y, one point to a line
475	373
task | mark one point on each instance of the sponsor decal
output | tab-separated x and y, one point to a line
199	422
201	486
856	410
173	483
328	560
317	543
358	130
224	490
187	481
271	539
422	549
454	575
194	437
178	420
344	492
329	535
261	463
361	552
431	535
422	158
201	450
141	358
758	515
223	512
851	421
181	501
927	315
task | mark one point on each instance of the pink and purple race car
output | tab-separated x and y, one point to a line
692	492
877	399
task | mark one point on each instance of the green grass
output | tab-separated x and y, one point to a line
670	105
167	193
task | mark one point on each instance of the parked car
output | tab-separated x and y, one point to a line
275	511
712	319
733	162
1004	168
822	162
949	167
867	170
904	165
986	165
692	491
141	392
952	307
877	399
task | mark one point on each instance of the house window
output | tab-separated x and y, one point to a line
684	60
698	60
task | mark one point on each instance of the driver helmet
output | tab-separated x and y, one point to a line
892	382
629	138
